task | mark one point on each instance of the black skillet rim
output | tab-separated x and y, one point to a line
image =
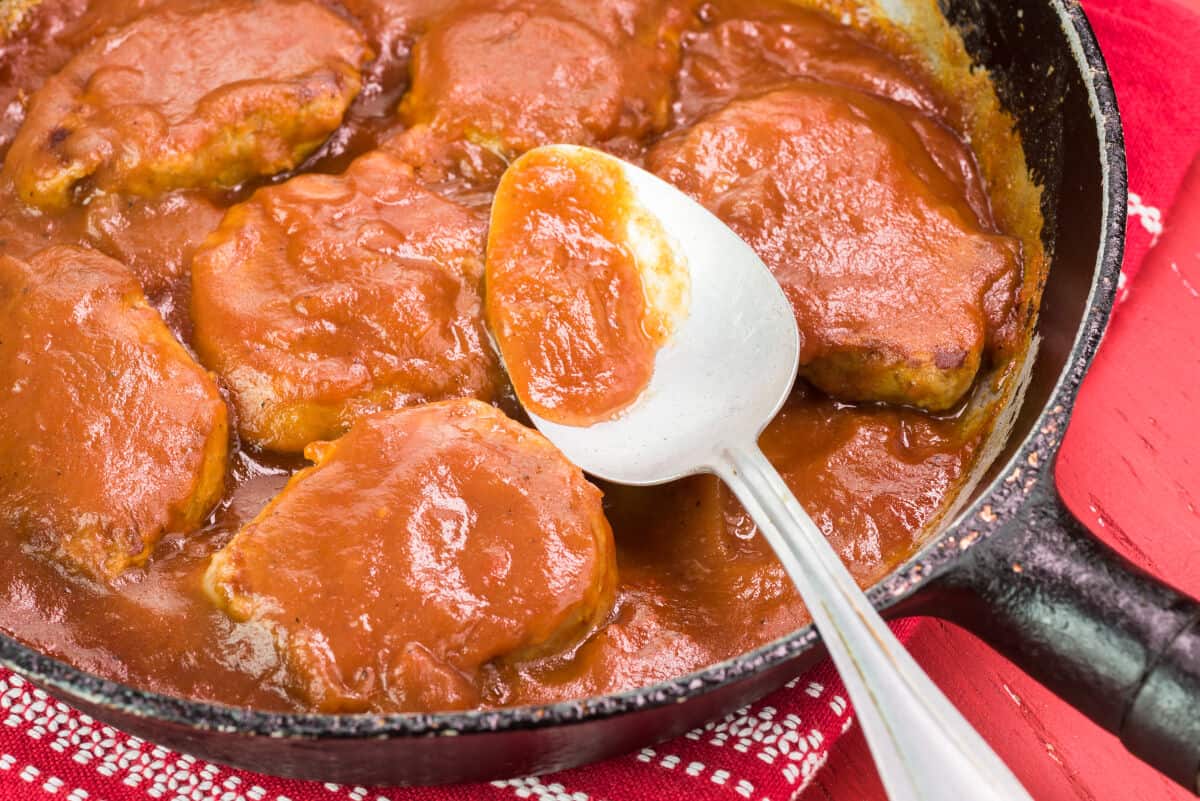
1024	471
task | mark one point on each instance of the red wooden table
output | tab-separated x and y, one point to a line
1128	469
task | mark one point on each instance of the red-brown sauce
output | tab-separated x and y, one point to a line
695	585
583	286
326	298
469	540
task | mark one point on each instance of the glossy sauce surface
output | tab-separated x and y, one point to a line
515	74
77	327
135	113
896	289
695	584
326	298
396	600
583	286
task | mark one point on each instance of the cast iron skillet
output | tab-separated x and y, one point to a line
1015	568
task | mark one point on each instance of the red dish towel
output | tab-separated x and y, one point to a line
767	752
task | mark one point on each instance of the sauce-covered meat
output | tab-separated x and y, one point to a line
583	286
110	434
515	74
47	39
423	544
325	298
161	104
748	47
897	288
334	236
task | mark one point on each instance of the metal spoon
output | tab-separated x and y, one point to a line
725	374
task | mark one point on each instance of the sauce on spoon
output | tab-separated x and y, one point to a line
583	285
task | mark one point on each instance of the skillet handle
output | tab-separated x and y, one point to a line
1098	631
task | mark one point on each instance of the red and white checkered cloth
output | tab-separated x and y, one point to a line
769	751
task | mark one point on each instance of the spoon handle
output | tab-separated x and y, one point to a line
924	749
